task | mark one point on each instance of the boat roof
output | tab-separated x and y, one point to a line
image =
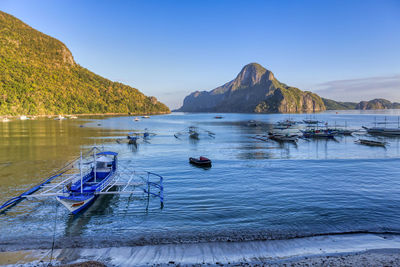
108	153
104	159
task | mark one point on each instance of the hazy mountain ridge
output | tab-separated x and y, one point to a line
255	89
378	103
38	75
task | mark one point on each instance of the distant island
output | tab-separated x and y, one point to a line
256	90
378	103
38	75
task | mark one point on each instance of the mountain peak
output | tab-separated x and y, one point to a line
252	74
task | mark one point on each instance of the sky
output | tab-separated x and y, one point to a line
347	50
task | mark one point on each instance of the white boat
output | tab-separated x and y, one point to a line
136	119
59	118
146	117
6	119
23	117
73	117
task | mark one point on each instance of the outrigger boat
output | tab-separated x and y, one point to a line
280	137
371	142
77	191
383	131
194	133
319	133
312	121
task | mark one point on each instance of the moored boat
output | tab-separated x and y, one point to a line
81	193
100	176
383	131
371	142
202	161
284	137
132	140
319	133
312	121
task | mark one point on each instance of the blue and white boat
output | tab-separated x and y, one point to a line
81	193
98	174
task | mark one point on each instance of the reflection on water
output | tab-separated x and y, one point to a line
255	189
76	224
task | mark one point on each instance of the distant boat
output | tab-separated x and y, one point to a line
193	132
132	140
136	119
284	137
218	117
312	121
319	133
73	117
59	118
146	117
371	142
23	117
194	135
6	119
252	123
383	131
202	161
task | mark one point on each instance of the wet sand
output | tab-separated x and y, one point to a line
336	250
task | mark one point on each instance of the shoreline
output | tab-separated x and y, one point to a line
85	114
371	249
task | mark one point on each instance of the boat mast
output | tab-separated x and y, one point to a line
80	169
94	169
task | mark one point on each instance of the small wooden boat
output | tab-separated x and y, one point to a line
371	142
311	121
284	137
202	161
194	132
319	134
218	117
383	131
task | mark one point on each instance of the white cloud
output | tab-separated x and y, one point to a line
387	87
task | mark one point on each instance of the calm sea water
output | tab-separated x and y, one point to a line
254	190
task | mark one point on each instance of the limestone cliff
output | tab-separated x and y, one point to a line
255	89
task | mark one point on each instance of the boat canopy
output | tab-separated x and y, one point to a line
108	153
104	159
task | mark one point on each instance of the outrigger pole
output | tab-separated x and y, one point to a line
80	170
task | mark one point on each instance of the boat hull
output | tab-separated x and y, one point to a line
201	163
76	205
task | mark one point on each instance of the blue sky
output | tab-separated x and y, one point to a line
345	50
